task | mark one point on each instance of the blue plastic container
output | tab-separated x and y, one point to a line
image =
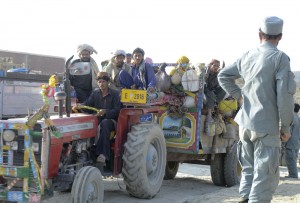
2	73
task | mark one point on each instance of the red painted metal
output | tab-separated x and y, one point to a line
57	143
127	118
77	119
55	153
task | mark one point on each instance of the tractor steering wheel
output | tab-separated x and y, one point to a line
85	107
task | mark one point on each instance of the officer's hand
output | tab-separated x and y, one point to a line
241	101
285	137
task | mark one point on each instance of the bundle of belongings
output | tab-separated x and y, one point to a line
180	87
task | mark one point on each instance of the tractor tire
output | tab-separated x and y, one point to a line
88	186
217	170
231	167
171	170
144	160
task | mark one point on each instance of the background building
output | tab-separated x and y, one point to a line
36	63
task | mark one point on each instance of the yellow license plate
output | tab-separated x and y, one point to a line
134	96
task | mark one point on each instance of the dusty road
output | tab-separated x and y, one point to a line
191	185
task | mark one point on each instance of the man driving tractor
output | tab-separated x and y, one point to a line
108	102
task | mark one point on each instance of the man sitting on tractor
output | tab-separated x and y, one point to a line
114	67
108	102
84	84
141	74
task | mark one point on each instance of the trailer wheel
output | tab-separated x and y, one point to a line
144	160
171	170
217	169
88	186
231	165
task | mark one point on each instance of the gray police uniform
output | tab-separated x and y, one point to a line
267	107
292	148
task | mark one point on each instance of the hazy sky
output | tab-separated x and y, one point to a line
165	29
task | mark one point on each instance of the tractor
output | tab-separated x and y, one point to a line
155	133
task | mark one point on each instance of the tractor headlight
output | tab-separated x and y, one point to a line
35	146
9	135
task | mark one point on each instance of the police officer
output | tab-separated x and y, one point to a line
266	113
292	145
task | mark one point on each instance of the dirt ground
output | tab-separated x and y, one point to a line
288	191
192	185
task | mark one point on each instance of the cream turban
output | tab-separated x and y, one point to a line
87	47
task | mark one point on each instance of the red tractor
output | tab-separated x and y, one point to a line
154	135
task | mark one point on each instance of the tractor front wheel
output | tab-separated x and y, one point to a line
88	186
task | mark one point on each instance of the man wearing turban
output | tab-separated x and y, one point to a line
84	83
115	66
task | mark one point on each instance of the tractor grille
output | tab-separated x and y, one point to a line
18	155
15	157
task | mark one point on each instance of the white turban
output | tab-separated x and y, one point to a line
87	47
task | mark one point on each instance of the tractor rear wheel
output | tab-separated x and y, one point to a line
171	170
88	186
144	160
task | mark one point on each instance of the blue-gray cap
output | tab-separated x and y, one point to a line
272	25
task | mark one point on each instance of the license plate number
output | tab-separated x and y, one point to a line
134	96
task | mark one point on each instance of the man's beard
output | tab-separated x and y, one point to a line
119	65
85	59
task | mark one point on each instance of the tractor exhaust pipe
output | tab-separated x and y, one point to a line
67	86
60	97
